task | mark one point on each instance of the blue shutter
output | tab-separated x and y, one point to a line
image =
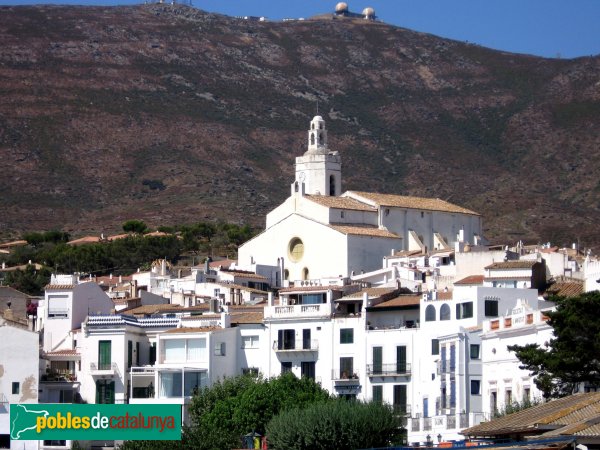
452	358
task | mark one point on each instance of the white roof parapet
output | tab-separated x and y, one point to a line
145	322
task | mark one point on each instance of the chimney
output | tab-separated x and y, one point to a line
110	276
270	299
163	267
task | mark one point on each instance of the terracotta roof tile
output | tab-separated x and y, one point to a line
566	289
509	265
65	352
402	300
248	317
310	289
401	201
471	279
371	293
59	287
557	412
340	203
242	274
13	244
364	231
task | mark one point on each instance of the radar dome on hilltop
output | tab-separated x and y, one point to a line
341	8
369	13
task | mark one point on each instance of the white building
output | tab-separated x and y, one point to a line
19	377
354	229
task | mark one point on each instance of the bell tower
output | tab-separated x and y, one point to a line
319	170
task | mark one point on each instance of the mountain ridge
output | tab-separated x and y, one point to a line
173	115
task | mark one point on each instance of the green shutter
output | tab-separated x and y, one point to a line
377	359
104	355
401	359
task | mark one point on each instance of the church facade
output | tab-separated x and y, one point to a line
320	232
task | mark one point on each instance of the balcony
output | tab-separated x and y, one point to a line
106	369
298	311
345	376
388	370
304	345
401	410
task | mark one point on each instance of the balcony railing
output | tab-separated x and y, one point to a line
300	345
104	369
289	311
387	370
344	375
402	410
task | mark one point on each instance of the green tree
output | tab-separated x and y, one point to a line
135	226
31	280
333	425
571	356
224	412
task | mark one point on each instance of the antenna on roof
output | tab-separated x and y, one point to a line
317	107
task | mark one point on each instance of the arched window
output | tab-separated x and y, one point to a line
320	138
296	249
312	138
286	274
296	186
430	313
305	273
312	126
445	312
320	125
332	185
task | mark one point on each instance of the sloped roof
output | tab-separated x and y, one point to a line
364	231
471	279
400	301
556	413
566	289
401	201
340	203
508	265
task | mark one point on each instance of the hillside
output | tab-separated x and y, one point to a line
173	115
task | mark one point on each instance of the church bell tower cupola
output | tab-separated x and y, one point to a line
317	136
319	170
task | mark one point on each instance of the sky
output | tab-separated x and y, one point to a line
549	28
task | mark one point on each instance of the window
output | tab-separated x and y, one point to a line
286	366
494	401
312	138
435	347
129	353
170	384
194	381
378	394
137	353
286	274
307	369
58	306
508	397
305	273
152	354
65	396
249	341
347	336
105	392
464	310
445	312
220	349
475	387
296	249
286	340
400	399
15	388
332	188
430	313
491	308
55	443
253	371
306	342
104	355
474	348
174	350
401	359
196	350
526	394
346	368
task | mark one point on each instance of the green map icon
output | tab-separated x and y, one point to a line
24	418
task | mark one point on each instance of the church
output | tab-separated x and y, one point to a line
320	232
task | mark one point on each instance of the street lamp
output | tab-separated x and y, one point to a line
429	442
439	436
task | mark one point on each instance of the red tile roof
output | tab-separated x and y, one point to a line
471	279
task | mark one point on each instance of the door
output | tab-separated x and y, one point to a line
400	399
105	392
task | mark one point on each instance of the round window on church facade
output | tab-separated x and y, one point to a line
296	249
